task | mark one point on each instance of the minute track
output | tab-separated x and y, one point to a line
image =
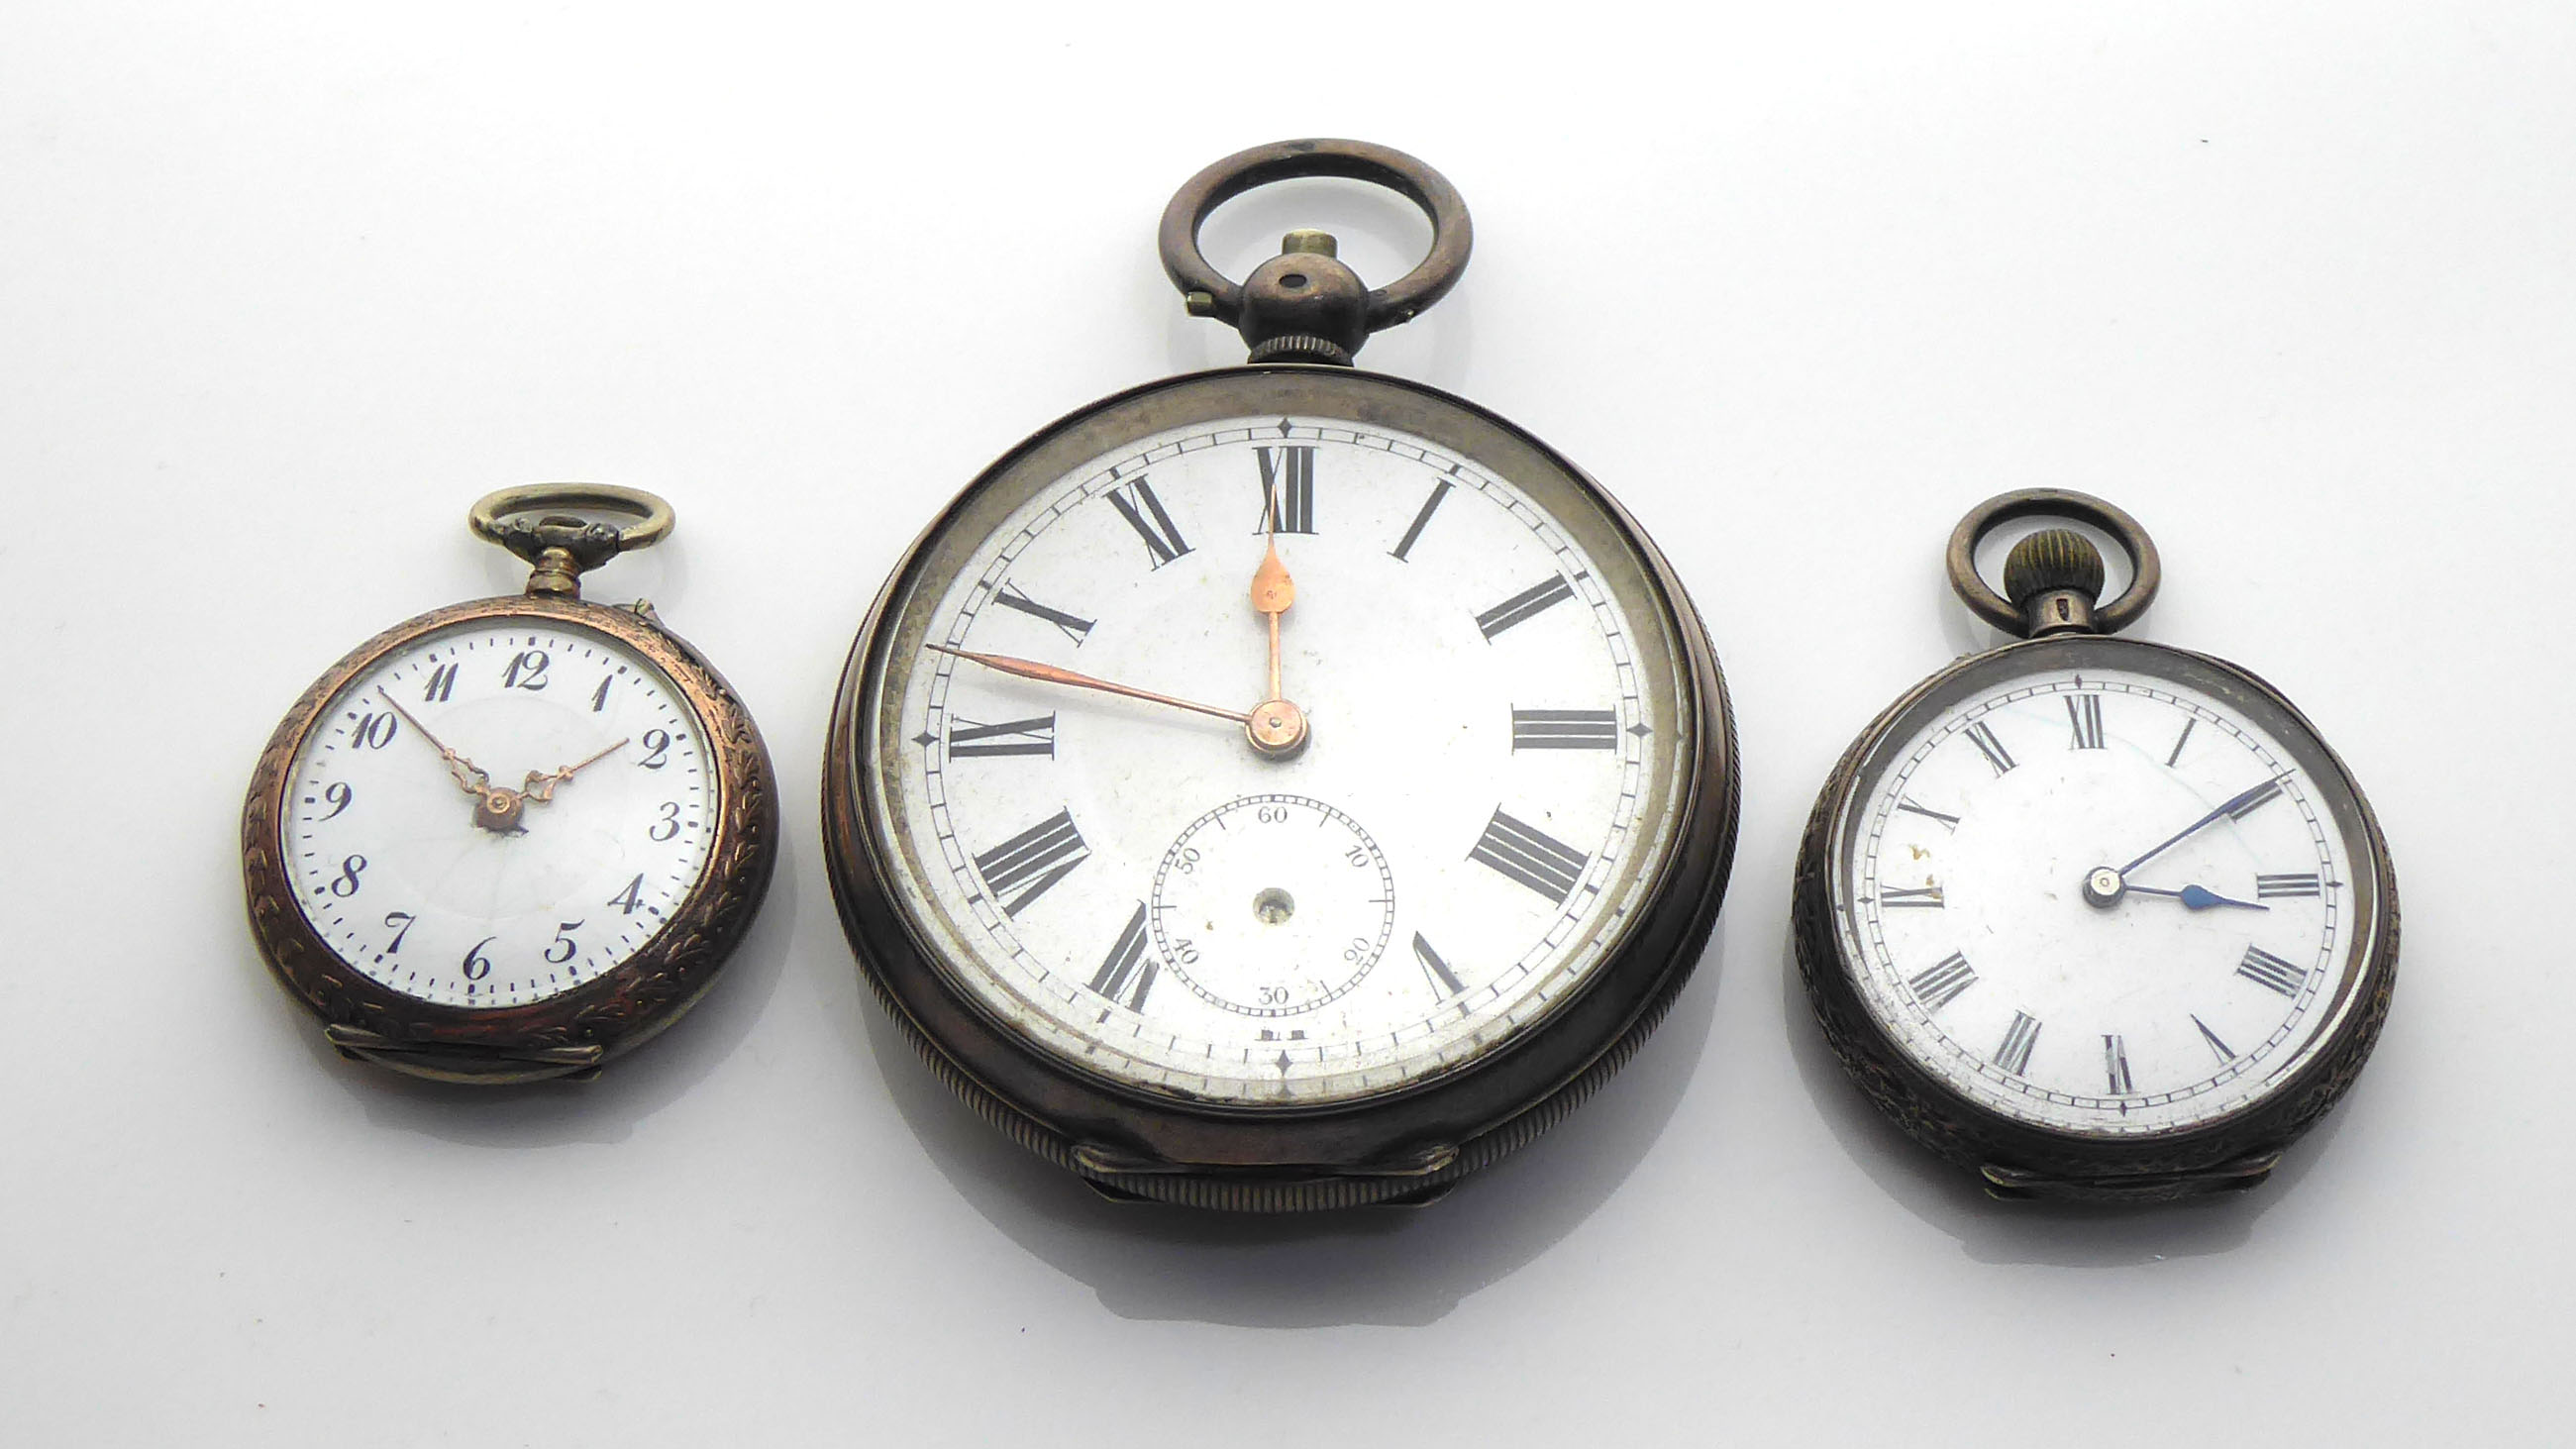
2209	1061
468	943
1280	1063
1196	500
2229	804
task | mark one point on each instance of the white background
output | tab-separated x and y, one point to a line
283	289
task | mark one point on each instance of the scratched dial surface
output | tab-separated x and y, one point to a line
1488	794
382	839
2100	887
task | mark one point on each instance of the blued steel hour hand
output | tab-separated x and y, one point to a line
2196	898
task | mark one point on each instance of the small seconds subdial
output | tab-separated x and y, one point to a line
1138	744
1157	697
1272	905
498	813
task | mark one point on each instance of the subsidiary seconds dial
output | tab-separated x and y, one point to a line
1281	787
1155	845
1293	951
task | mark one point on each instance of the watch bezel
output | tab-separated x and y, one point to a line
593	1023
1398	1143
2018	1157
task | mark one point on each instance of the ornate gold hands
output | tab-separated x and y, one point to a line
497	808
540	784
469	776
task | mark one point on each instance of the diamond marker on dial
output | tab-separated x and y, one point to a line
1478	727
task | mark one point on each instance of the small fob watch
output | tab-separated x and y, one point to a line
2096	918
510	839
1281	787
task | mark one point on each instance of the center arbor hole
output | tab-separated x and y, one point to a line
1274	905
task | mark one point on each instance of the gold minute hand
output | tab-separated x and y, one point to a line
1050	674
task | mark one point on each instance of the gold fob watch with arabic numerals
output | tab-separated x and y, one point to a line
511	839
1281	787
2096	918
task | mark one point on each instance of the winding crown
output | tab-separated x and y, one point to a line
2049	560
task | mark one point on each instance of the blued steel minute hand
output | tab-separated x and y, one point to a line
2228	806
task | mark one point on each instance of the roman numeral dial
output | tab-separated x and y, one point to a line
569	770
1506	725
2150	884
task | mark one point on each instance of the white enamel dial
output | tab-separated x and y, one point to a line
2101	898
1488	788
462	896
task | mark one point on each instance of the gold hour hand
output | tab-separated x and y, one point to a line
1277	728
1272	592
1050	674
469	776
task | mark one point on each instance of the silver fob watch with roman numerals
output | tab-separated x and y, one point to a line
2094	917
1281	787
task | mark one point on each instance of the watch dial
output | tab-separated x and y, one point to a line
1489	787
2104	887
498	812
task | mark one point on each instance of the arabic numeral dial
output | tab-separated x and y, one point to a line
406	868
